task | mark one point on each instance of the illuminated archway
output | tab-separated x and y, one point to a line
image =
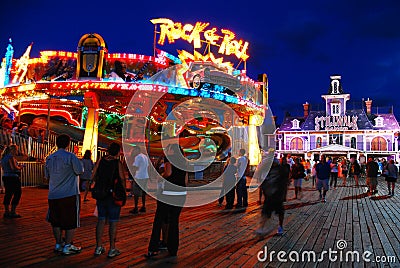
378	144
296	144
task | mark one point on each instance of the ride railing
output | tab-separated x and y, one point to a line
32	174
31	148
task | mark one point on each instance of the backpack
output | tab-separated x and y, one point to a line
104	180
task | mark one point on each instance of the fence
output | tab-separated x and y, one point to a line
30	149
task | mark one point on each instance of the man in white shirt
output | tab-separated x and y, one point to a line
141	177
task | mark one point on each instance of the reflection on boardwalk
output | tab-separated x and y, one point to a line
212	237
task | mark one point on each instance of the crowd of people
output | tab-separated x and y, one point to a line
67	175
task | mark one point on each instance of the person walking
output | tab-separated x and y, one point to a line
86	176
274	189
11	180
170	203
372	176
108	169
355	170
241	187
141	177
298	173
323	172
62	169
334	173
344	167
391	177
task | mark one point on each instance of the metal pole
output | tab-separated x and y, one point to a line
48	120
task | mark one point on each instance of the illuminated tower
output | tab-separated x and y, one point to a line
336	99
9	57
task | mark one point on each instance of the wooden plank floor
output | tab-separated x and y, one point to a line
212	237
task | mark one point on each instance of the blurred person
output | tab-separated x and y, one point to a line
229	183
298	174
241	187
274	188
174	197
355	170
86	176
334	173
141	177
323	170
391	177
372	176
344	167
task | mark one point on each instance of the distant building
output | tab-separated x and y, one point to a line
338	130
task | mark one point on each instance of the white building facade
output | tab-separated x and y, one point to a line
338	130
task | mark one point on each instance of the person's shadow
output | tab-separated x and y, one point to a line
352	197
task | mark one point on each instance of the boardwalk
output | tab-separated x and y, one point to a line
211	237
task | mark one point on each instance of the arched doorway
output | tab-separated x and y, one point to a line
296	144
378	144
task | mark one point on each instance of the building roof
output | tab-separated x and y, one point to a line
334	149
364	122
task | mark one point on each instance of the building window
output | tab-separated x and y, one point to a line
379	121
295	124
335	109
378	144
296	144
319	142
353	142
336	139
335	87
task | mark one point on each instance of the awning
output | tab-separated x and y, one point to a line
334	149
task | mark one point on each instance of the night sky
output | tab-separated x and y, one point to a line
298	44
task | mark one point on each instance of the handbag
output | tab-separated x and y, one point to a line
119	193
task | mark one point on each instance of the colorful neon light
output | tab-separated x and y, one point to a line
228	46
62	113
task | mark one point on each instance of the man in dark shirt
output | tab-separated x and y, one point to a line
323	172
372	176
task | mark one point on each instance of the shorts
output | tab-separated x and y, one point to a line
322	184
297	182
139	187
372	181
64	212
106	209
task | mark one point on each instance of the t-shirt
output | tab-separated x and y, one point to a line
323	171
62	169
87	168
241	166
142	163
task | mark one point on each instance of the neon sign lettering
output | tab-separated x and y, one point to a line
193	34
336	122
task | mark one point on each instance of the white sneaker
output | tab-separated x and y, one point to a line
99	250
113	252
71	249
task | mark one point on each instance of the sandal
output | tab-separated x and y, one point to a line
151	254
